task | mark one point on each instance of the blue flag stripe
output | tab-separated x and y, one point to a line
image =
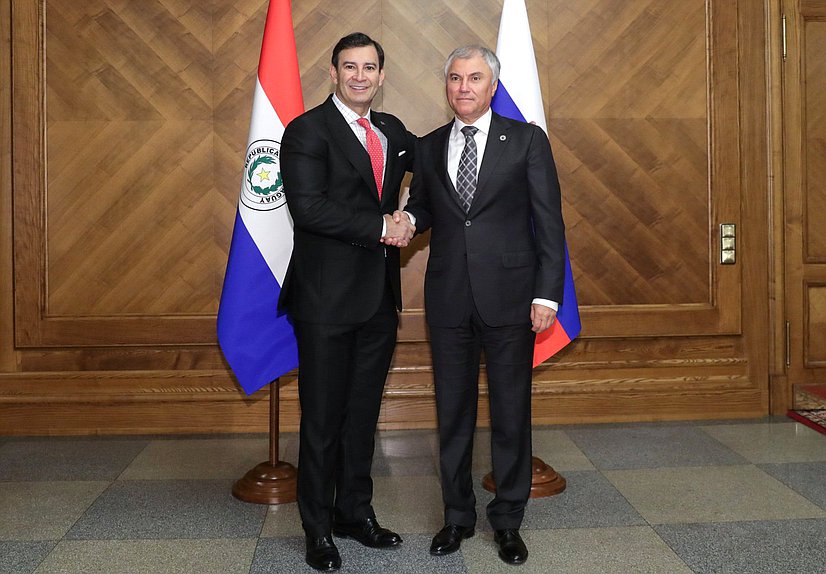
256	340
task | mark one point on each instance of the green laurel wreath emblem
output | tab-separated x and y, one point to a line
264	159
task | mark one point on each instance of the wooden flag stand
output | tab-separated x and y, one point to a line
272	481
545	481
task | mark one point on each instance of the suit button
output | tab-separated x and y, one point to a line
468	223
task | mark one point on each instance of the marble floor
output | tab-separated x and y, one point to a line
679	497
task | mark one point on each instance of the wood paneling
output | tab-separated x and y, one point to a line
129	121
815	337
7	355
804	240
814	139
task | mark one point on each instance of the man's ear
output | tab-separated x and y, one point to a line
334	74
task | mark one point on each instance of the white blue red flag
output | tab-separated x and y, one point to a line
258	342
519	97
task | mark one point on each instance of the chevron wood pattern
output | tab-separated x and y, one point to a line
148	105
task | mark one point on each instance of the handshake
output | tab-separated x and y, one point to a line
399	230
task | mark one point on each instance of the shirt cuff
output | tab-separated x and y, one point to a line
547	303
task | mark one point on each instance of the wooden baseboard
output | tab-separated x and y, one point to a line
173	402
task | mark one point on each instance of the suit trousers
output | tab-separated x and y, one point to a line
341	376
508	362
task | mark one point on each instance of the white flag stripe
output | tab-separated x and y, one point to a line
270	230
519	75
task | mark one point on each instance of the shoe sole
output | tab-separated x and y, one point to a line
512	562
446	552
340	534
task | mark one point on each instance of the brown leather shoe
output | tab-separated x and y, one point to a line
449	539
512	549
368	532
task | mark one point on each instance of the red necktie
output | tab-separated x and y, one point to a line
374	151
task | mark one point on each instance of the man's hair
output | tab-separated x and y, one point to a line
357	40
467	52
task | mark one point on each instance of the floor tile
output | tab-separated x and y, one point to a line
409	503
44	510
141	556
66	458
807	478
406	453
772	443
282	555
710	494
753	547
625	550
23	557
282	520
652	447
588	500
198	459
169	509
557	449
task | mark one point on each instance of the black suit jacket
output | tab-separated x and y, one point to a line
510	246
338	269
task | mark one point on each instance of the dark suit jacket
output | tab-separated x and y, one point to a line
338	269
510	246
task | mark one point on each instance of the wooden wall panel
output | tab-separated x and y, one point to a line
815	335
815	141
126	149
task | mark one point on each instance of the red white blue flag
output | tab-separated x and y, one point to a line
258	342
519	97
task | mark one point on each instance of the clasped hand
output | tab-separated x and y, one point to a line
399	230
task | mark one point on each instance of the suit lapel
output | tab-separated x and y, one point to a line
349	144
495	146
442	141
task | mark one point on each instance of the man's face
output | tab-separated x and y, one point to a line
357	77
468	88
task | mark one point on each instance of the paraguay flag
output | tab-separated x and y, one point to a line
519	97
258	343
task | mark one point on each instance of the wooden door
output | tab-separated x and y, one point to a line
805	190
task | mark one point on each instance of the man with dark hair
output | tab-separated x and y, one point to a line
487	188
342	166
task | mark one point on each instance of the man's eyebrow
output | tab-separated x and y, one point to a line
356	63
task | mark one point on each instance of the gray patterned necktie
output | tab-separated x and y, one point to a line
466	174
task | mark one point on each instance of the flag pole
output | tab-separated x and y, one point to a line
272	481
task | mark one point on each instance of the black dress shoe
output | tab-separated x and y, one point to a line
368	532
512	549
322	554
449	539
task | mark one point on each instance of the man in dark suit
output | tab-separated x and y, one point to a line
342	166
487	188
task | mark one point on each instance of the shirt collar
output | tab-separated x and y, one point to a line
349	114
483	123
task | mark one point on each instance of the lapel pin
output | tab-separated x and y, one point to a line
503	137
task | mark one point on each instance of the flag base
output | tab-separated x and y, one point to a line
267	484
545	481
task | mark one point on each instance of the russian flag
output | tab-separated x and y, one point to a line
258	343
519	97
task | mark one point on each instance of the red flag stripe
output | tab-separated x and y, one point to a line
279	61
